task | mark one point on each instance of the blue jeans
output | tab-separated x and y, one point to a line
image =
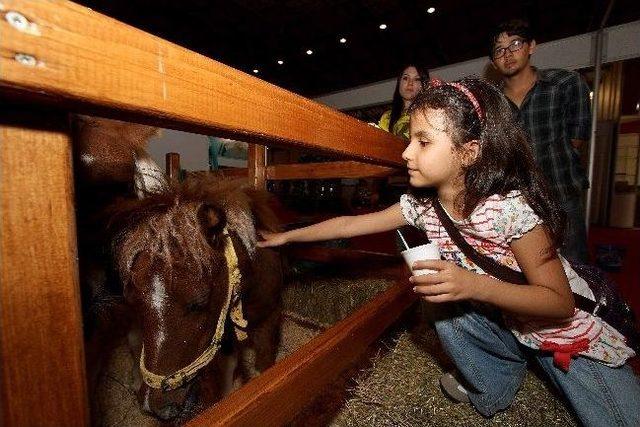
574	245
494	363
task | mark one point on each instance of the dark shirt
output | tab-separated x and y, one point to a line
556	110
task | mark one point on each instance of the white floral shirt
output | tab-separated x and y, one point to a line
489	229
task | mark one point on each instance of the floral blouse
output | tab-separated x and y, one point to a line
490	229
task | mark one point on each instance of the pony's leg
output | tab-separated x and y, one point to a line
261	352
227	364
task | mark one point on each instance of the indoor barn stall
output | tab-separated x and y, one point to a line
134	295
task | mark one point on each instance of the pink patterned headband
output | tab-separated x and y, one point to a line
462	88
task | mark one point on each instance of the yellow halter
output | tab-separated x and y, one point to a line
184	375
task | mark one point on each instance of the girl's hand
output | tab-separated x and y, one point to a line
448	283
271	239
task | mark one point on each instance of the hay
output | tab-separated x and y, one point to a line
327	300
402	389
116	404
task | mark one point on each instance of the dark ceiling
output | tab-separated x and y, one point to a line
254	34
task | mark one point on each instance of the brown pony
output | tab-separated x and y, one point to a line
203	297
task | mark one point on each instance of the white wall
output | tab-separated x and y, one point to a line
621	42
193	149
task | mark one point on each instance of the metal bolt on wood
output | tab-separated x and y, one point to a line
17	20
25	59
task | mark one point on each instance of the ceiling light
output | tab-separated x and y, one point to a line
383	26
255	71
280	62
309	52
343	40
431	10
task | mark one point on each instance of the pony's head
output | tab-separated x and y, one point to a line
180	250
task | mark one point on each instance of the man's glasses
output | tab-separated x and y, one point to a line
514	46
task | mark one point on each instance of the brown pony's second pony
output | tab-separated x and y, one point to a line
205	300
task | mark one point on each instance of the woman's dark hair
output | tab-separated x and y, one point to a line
398	103
505	161
512	27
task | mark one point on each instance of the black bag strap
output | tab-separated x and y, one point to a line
486	263
491	266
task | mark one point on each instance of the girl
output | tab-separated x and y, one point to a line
467	152
409	83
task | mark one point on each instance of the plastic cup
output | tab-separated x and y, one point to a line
420	253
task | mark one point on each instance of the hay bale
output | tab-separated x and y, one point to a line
327	300
402	389
116	403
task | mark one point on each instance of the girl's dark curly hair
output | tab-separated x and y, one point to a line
505	161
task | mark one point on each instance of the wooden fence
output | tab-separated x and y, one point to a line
57	57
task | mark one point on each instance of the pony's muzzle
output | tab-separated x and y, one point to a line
165	405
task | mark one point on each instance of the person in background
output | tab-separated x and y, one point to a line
553	105
409	83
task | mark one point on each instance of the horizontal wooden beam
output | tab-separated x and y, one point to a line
278	394
326	170
67	53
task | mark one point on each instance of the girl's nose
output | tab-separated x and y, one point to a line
406	152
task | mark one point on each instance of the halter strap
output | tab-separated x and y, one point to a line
184	375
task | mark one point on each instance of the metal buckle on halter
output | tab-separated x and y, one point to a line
178	379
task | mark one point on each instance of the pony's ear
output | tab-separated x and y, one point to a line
148	177
211	220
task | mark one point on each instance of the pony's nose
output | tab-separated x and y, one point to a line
168	412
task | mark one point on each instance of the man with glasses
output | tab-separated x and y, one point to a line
554	107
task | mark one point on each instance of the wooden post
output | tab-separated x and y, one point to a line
42	371
257	166
172	166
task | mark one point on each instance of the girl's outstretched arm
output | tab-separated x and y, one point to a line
547	295
337	228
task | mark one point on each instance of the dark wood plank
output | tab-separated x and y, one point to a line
41	345
256	164
278	394
347	169
89	61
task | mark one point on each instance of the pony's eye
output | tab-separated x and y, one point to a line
197	306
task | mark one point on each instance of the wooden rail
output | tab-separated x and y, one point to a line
67	57
327	170
278	394
88	60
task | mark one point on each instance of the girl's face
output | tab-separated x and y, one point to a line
431	157
410	83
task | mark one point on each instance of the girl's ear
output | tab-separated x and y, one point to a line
470	152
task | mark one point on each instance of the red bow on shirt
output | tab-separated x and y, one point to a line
562	353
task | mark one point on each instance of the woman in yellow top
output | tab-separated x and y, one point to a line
409	83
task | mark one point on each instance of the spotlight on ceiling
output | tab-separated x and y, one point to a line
343	40
383	26
256	71
280	62
309	52
431	10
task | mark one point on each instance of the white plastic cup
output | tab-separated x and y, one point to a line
429	251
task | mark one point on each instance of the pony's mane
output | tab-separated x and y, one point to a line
168	227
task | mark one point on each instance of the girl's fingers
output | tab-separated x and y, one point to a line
437	298
440	289
427	279
431	264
